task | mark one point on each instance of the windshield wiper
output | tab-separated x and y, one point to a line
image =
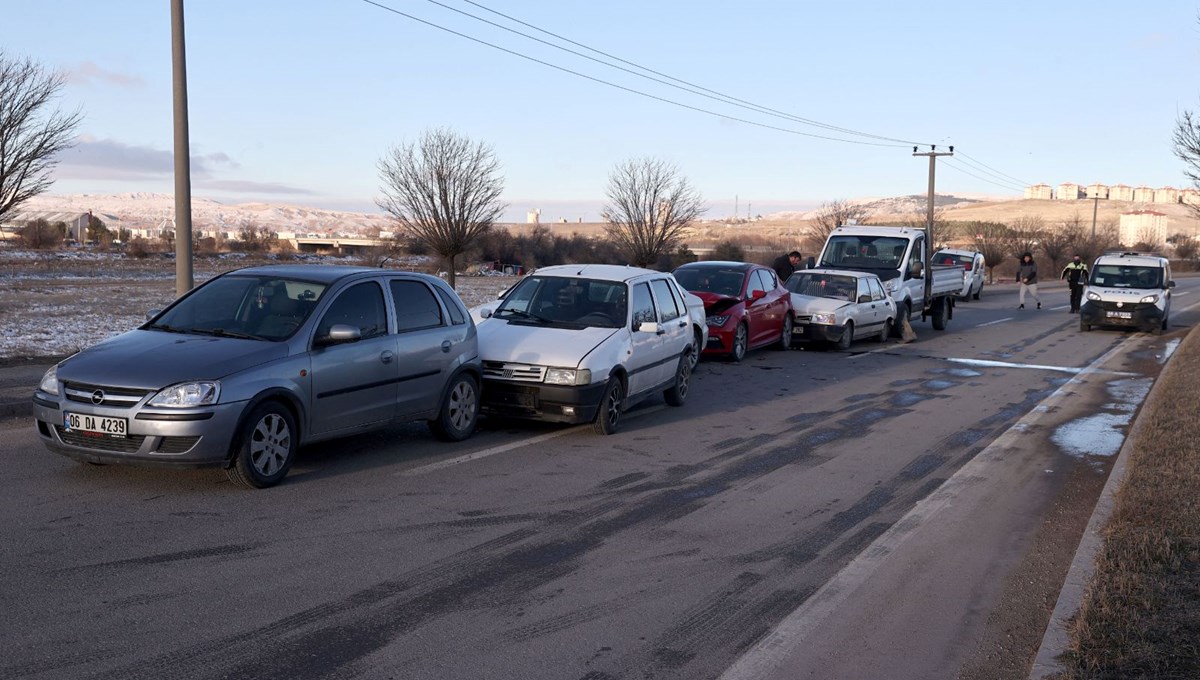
169	329
223	333
523	314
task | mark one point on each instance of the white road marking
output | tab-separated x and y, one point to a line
990	363
786	639
484	453
993	323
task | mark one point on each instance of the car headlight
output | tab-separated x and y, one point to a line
1093	296
49	383
717	320
892	285
825	318
188	394
568	376
1151	299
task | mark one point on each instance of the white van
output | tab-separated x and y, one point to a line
1128	289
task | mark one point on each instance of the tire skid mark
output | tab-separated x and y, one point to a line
168	558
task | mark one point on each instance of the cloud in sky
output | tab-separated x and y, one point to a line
89	73
248	187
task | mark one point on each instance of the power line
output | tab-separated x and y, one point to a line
964	171
690	87
978	162
624	88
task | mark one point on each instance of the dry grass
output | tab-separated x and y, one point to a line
1141	615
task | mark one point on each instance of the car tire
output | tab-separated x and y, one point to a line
904	311
677	393
1084	326
608	418
785	335
741	343
696	348
886	332
978	292
847	338
266	447
459	412
941	308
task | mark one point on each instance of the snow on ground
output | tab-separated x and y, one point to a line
55	304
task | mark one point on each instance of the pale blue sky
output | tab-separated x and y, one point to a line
294	101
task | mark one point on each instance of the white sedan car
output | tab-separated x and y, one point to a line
581	343
836	306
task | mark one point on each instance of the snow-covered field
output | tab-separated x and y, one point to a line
53	304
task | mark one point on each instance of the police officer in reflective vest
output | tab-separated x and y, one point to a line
1076	274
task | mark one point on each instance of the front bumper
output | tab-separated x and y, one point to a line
198	437
720	340
1146	317
536	401
813	332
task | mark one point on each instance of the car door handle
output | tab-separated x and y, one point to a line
386	357
446	345
682	324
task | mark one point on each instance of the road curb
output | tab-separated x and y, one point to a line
1046	664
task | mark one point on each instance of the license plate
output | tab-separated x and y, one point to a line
101	425
1120	315
798	330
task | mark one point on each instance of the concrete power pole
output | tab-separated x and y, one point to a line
183	172
933	154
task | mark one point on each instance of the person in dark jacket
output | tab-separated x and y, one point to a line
785	265
1027	277
1076	274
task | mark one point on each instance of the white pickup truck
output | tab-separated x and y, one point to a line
897	255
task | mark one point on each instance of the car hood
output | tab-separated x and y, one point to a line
807	304
500	340
154	359
715	303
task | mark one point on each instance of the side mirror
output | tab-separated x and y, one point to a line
341	333
863	299
757	295
154	312
486	313
810	263
649	327
1170	284
916	270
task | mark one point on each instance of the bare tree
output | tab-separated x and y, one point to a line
942	228
1187	149
1025	234
1186	248
1059	243
991	239
831	215
444	190
650	206
32	132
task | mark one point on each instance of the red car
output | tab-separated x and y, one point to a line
746	305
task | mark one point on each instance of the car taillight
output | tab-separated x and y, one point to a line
968	267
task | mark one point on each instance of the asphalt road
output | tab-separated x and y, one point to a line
899	511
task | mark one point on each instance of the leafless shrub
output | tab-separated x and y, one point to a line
650	206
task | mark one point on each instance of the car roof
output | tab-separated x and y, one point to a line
720	263
318	273
837	272
1133	259
603	272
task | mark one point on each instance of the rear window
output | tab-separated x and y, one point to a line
950	258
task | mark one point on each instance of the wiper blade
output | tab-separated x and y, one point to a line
223	333
523	314
168	329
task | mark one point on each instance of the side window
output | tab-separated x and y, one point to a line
876	289
755	284
769	280
455	308
677	293
415	305
862	290
643	305
360	306
666	302
915	256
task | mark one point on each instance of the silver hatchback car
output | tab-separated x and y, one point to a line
244	369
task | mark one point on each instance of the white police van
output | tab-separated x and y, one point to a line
1128	289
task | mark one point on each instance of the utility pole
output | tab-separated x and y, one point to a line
183	172
933	154
1095	207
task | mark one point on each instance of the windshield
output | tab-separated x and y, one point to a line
711	279
256	307
565	301
1127	276
864	251
823	285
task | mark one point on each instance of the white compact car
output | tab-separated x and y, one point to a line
836	306
972	263
582	343
1128	289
